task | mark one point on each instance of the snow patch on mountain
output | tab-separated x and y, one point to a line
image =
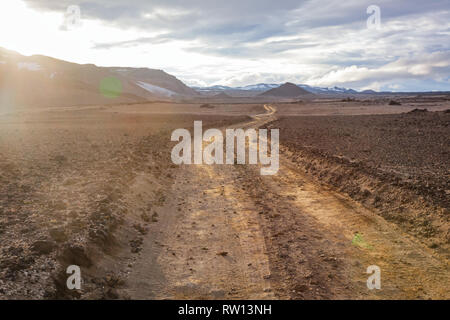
31	66
326	89
261	87
156	90
212	88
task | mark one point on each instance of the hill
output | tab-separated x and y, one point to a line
287	90
44	81
222	95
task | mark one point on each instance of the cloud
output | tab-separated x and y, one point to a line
131	43
316	42
435	66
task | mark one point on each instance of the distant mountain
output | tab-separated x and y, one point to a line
327	90
261	87
287	90
221	95
212	89
255	87
368	91
43	81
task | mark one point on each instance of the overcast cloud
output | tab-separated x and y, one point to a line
322	43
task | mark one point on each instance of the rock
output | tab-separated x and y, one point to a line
394	103
145	217
43	247
59	205
58	234
141	229
111	294
301	288
76	254
136	245
416	110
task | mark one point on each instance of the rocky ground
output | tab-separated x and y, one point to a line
398	164
95	187
226	232
64	181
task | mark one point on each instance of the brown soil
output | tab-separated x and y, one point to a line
242	235
397	164
65	183
95	186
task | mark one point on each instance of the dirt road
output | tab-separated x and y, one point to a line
227	232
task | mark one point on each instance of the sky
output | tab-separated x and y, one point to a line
395	45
